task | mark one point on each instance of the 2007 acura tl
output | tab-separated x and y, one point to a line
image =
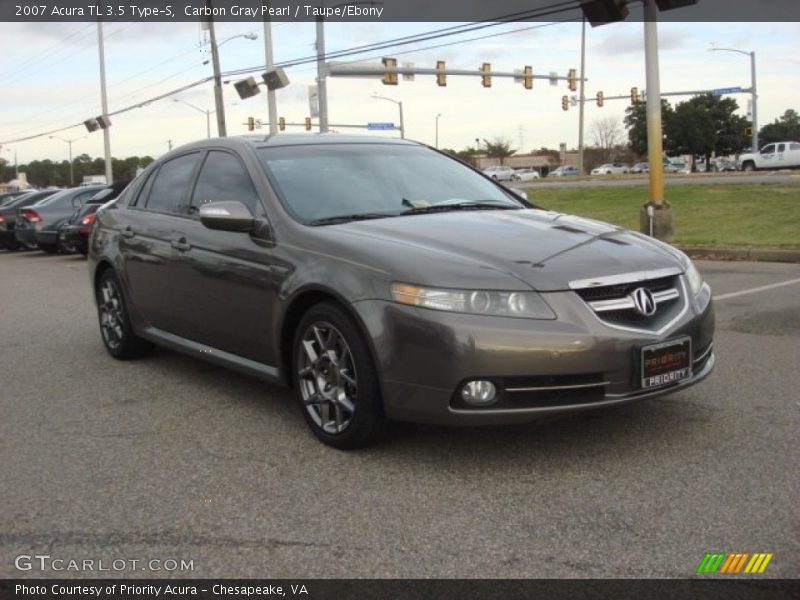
382	280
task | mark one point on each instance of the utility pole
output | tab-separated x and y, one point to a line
104	104
582	98
269	60
322	85
218	102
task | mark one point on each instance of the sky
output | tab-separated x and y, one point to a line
50	75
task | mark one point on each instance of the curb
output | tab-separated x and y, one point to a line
751	254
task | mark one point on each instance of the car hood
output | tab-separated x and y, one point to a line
542	249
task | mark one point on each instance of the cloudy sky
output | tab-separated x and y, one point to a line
50	79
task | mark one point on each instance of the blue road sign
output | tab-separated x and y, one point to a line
730	90
380	126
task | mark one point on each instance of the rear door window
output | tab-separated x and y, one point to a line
170	187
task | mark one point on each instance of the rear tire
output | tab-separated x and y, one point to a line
335	380
115	325
749	166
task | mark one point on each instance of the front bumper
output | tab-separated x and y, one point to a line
424	356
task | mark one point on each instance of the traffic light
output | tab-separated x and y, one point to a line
572	80
308	123
748	131
282	124
441	78
389	78
527	77
634	95
486	78
251	124
564	102
599	98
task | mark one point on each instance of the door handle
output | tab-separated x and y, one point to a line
181	244
128	232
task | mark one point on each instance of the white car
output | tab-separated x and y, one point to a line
611	169
524	175
499	173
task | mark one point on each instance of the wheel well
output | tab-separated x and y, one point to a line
98	272
291	320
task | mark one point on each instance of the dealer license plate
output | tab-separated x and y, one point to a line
667	362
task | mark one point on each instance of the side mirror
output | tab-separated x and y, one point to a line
226	216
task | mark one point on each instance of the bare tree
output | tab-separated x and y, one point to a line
607	134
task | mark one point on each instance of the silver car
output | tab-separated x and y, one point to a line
397	283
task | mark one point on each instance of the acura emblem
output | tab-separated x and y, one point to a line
644	302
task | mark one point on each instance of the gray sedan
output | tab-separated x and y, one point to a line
383	280
38	224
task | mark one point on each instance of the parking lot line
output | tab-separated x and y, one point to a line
760	288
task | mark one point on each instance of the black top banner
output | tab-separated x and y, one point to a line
399	589
392	10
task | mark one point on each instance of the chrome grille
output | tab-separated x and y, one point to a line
614	303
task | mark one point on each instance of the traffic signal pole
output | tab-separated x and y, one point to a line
656	216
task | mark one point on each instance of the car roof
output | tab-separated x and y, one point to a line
292	139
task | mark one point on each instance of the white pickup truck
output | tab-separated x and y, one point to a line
780	155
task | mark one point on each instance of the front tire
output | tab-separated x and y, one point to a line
335	380
749	166
115	325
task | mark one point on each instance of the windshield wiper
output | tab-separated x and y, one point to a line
348	218
461	205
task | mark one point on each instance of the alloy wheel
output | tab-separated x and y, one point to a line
111	314
327	377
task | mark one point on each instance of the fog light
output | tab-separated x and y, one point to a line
478	393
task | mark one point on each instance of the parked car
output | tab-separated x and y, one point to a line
524	175
780	155
37	225
564	172
7	197
463	306
8	216
611	169
641	167
499	173
74	232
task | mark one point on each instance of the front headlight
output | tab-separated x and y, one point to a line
699	289
523	305
693	277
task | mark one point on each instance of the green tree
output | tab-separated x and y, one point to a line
704	125
786	128
498	148
636	124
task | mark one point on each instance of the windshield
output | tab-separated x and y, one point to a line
319	182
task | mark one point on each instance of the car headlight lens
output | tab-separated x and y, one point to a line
523	305
698	288
693	278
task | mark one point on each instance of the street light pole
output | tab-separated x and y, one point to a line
69	143
322	85
206	112
437	130
400	106
753	90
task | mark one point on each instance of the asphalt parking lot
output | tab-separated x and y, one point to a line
171	458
